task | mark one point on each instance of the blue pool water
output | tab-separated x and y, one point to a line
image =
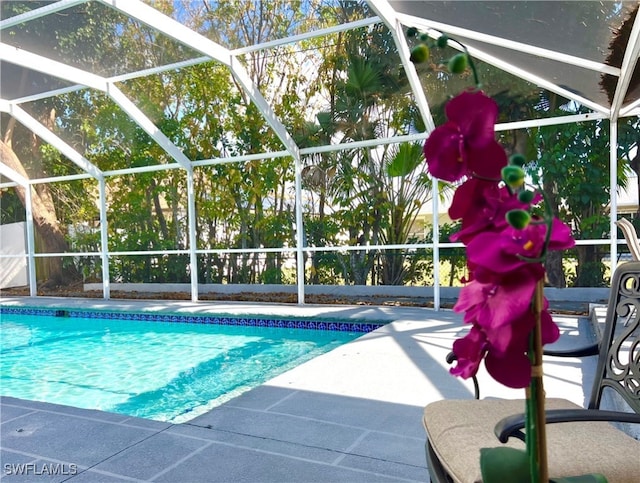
155	370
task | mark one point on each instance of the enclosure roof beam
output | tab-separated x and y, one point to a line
631	109
29	60
171	28
39	12
117	78
148	126
535	79
42	64
356	24
268	113
13	175
435	28
508	44
629	62
174	29
47	135
388	15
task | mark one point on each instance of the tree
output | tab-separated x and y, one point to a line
44	219
24	152
367	98
573	169
628	142
406	193
258	200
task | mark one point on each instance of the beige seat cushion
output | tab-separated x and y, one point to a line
458	429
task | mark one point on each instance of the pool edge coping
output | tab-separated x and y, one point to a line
323	323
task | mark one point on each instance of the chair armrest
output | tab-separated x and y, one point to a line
512	426
589	350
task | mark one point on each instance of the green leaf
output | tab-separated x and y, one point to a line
406	159
325	119
594	478
510	465
504	465
362	79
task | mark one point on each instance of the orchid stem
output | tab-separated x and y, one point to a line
472	66
536	437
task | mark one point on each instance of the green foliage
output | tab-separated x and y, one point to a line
11	208
376	194
456	257
573	169
407	158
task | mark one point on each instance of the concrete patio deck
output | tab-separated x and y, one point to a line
353	414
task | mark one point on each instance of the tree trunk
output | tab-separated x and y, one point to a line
45	221
555	271
590	270
553	264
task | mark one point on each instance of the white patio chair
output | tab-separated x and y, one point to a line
630	235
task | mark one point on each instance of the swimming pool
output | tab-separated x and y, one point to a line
159	368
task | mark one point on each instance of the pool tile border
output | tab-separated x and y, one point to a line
275	322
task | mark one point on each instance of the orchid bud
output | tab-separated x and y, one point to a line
424	37
517	160
519	219
419	54
513	176
442	41
458	63
412	32
526	196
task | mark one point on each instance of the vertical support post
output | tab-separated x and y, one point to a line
193	242
613	192
31	244
436	244
104	240
300	276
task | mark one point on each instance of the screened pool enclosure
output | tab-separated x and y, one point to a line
279	143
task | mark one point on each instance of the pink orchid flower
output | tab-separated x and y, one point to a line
502	320
465	144
504	252
504	262
482	205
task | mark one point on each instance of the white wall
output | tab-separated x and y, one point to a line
13	271
628	198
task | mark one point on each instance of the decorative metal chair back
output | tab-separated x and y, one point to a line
619	360
631	237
